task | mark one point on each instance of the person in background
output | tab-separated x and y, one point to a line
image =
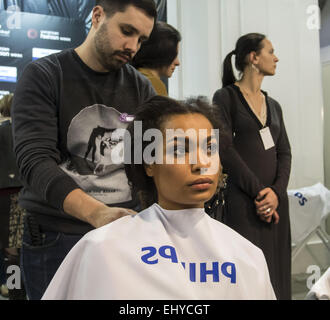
258	163
11	214
4	202
172	249
158	57
3	276
68	109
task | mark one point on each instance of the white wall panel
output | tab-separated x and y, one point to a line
210	30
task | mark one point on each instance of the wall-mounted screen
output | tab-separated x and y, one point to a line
25	37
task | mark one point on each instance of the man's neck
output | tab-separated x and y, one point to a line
87	55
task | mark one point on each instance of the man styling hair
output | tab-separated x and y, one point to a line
65	105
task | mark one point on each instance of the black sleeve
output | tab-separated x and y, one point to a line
239	173
283	150
35	132
147	90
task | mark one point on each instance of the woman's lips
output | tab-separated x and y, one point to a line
201	184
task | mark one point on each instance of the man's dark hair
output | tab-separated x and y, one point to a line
110	7
153	115
161	48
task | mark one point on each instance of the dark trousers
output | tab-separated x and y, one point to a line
3	275
16	290
41	255
4	219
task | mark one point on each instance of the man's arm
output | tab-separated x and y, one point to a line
35	132
84	207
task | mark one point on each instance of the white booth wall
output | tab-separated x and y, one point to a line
325	59
209	31
326	86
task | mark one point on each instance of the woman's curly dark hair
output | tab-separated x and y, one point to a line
153	115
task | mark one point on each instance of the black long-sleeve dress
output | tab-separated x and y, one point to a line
251	168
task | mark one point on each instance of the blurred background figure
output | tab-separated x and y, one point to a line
11	214
158	57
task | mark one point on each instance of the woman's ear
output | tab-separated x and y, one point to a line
149	170
253	58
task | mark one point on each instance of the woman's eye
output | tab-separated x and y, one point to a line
179	151
141	41
212	148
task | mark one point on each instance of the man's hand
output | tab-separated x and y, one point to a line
266	205
105	215
84	207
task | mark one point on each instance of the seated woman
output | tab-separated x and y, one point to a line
172	249
158	57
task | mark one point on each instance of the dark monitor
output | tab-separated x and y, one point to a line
25	37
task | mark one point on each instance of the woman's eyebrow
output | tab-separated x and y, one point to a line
210	138
175	138
180	139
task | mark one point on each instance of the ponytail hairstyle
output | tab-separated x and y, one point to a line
244	45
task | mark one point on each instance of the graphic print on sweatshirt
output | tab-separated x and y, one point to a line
95	142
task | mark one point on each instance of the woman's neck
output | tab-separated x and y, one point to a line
155	72
251	82
178	206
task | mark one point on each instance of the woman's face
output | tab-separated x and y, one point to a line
187	185
266	60
168	71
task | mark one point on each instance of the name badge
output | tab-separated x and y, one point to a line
267	138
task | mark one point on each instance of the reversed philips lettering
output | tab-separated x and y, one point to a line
151	253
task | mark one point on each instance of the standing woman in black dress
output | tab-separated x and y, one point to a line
258	163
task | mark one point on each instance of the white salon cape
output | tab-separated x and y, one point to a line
163	254
321	289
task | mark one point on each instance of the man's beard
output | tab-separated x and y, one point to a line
106	54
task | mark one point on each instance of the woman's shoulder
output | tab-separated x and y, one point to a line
274	104
223	90
109	231
156	82
224	94
236	240
146	72
126	225
271	100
